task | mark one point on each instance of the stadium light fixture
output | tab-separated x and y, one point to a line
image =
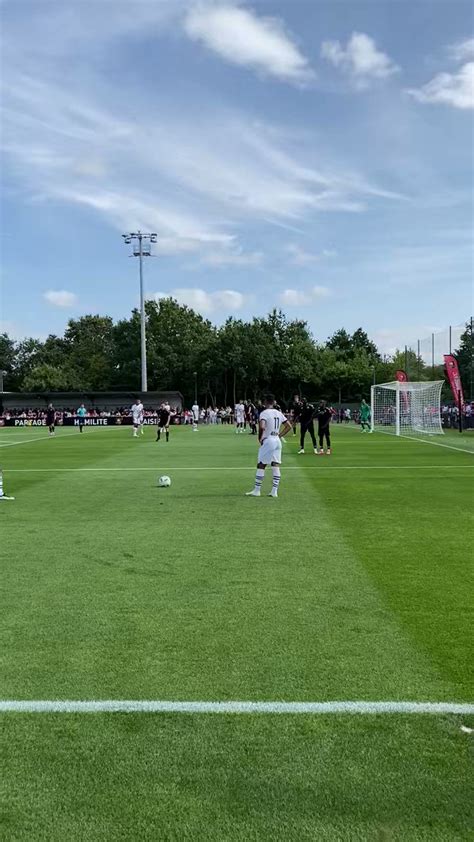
141	249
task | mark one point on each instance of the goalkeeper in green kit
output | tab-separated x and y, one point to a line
365	417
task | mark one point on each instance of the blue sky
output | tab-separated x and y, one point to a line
315	156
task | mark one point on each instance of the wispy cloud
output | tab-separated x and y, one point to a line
241	37
60	298
193	192
224	257
207	303
300	297
299	257
360	59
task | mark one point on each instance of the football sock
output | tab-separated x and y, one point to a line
276	479
259	478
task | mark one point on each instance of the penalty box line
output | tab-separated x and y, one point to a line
233	707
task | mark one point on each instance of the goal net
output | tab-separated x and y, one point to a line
407	408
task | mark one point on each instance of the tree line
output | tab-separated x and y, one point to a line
238	360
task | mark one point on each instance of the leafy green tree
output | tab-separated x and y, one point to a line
465	358
335	374
177	343
233	359
361	342
237	360
7	357
413	365
89	345
340	341
46	378
126	365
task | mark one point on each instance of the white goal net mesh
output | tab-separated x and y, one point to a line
407	408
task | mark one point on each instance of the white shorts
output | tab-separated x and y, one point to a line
240	419
270	450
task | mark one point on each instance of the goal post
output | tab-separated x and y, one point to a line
407	408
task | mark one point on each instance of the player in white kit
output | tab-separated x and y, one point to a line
195	411
137	417
273	425
239	412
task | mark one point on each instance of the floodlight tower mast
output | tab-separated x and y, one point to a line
141	248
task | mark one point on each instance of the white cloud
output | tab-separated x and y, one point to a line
299	298
223	300
300	257
360	59
60	298
462	50
240	37
455	89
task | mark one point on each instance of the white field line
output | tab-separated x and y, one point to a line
426	441
238	707
47	437
318	468
44	436
440	444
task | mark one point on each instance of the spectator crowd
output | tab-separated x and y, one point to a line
224	415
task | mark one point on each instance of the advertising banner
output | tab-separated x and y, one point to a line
454	377
73	421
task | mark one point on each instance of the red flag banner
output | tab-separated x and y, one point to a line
452	371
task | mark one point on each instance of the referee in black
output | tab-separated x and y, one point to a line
307	413
164	417
51	419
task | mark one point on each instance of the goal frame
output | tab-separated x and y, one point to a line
407	387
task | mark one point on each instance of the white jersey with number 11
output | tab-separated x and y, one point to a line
273	419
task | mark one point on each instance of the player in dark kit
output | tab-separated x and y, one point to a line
324	419
253	416
51	418
164	417
307	413
295	409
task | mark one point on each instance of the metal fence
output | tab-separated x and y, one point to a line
431	349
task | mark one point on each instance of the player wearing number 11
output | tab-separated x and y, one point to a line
272	427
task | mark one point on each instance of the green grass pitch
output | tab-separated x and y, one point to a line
353	585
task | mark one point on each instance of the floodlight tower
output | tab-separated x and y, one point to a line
141	248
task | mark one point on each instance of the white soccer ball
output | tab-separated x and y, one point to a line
164	482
